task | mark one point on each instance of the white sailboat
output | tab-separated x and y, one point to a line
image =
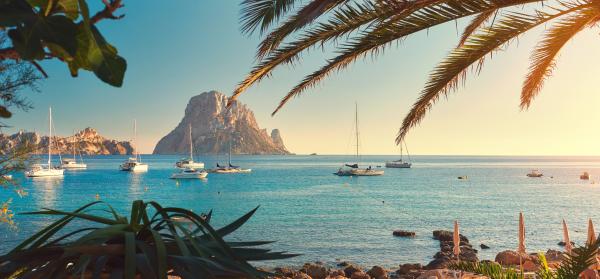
189	162
134	164
229	168
46	170
354	169
68	163
400	163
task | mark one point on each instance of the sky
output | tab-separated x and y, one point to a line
183	48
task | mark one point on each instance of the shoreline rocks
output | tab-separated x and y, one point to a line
403	233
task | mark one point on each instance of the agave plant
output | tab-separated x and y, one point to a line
154	242
571	266
361	28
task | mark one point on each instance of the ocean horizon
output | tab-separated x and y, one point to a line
310	211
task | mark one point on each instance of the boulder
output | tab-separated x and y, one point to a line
285	272
553	255
510	257
407	268
483	246
439	263
301	275
351	269
402	233
360	275
342	264
432	274
316	271
378	272
336	273
562	243
443	235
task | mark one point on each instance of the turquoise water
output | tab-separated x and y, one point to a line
308	210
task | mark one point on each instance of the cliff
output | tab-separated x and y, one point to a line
87	141
214	126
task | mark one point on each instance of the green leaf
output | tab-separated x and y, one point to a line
26	41
129	255
161	254
61	31
13	13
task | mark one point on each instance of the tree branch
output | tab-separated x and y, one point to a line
108	11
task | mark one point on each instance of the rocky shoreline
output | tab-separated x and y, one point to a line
436	268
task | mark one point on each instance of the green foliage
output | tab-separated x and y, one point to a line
153	242
62	29
571	266
358	29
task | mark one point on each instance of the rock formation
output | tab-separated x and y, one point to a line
87	141
214	127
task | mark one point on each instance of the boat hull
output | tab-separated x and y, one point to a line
194	165
45	173
360	172
196	175
230	170
398	165
73	166
135	168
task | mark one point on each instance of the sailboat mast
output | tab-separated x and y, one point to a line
191	145
401	151
229	150
134	138
50	137
356	123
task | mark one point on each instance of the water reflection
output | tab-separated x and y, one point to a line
136	187
48	189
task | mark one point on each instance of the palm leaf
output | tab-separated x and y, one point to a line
262	13
477	22
446	75
544	55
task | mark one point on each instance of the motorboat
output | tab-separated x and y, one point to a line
46	170
584	176
354	169
189	173
134	164
535	173
189	162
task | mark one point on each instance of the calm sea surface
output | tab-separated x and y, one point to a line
308	210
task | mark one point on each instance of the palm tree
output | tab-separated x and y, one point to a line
362	28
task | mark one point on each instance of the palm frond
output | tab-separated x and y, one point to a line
263	13
302	18
375	41
343	21
446	75
544	56
477	22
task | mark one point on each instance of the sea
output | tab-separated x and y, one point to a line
309	211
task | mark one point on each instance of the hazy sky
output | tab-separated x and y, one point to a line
182	48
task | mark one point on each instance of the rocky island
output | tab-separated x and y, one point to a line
86	141
214	127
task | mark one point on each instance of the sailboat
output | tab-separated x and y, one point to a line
134	164
40	170
354	169
189	162
400	163
68	163
229	168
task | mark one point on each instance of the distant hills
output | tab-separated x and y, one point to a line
214	126
86	141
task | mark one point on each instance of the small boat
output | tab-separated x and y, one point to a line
189	162
189	173
584	176
463	177
134	164
400	164
68	163
7	176
535	173
229	168
353	169
46	170
313	154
